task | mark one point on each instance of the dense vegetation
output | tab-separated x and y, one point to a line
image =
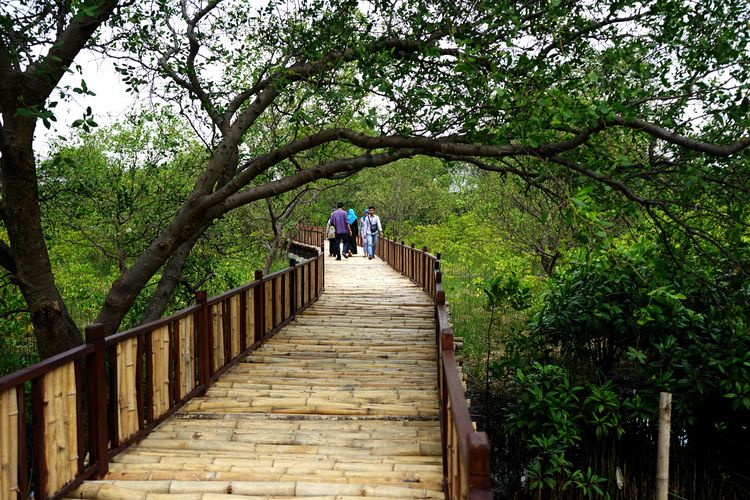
582	168
569	388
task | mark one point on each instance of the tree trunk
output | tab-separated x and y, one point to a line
54	329
272	253
27	90
169	279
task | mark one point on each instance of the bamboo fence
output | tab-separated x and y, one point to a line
92	402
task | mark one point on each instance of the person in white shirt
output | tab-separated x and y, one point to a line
363	232
372	229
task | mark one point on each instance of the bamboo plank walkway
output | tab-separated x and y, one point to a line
341	403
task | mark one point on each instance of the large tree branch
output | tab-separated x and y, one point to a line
445	146
324	171
46	73
170	277
685	142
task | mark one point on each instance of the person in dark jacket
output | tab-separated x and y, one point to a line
340	221
354	225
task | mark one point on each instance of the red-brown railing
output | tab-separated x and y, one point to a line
91	402
466	452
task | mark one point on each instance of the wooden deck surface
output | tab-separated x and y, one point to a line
340	403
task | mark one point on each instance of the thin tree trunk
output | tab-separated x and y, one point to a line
170	278
273	251
662	456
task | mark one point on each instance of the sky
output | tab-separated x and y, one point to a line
109	104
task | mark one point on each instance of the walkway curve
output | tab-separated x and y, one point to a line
340	403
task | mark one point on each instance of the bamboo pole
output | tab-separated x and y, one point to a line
70	419
127	397
217	320
268	301
160	355
186	359
235	322
9	445
662	457
60	436
249	318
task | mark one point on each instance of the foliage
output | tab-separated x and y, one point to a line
507	291
554	417
282	94
17	349
613	329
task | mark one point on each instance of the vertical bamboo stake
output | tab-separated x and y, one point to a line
70	398
662	457
217	337
235	330
187	356
9	444
250	317
268	301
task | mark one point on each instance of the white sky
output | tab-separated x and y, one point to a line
109	104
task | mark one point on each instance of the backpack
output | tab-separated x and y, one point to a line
373	225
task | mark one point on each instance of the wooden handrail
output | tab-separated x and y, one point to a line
466	452
129	382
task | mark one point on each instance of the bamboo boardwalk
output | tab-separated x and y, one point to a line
341	403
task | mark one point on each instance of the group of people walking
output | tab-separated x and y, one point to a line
343	228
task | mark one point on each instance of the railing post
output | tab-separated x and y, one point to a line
322	259
403	257
97	395
480	485
243	321
204	347
260	307
437	274
412	262
293	289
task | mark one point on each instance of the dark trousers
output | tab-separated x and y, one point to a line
331	244
341	238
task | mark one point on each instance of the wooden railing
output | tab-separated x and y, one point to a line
62	420
466	452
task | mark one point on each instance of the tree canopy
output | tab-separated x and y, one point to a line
648	102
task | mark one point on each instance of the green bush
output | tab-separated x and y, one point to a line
612	330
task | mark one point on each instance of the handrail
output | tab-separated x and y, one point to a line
466	452
93	401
